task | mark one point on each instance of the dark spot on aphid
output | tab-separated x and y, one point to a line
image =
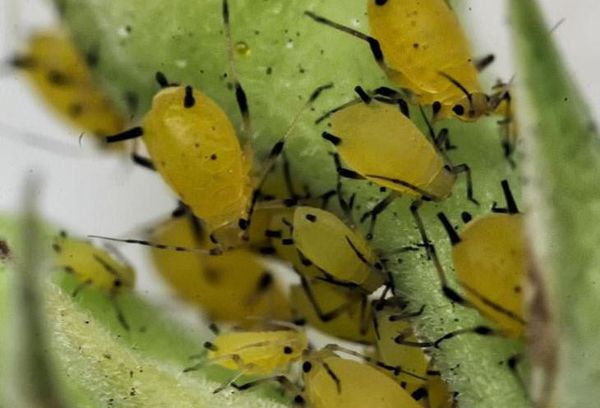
92	57
188	99
416	45
287	241
311	217
265	281
517	289
380	2
107	356
436	107
209	346
382	189
298	399
4	249
213	156
287	350
57	78
306	366
458	109
75	109
243	224
466	216
269	70
56	248
211	275
128	28
117	283
213	239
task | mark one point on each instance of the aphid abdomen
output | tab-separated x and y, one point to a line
197	151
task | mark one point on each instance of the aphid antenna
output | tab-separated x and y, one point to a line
157	245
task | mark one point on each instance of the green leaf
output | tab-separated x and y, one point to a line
562	149
289	56
55	347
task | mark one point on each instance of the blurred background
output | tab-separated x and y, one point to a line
87	192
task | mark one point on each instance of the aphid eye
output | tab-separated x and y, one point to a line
117	283
380	2
287	350
458	109
298	399
307	366
311	217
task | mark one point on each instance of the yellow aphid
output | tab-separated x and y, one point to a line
195	148
92	265
422	48
345	312
338	251
258	352
490	261
384	146
229	287
63	78
332	381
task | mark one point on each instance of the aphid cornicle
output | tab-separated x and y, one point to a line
63	78
230	287
490	260
95	267
195	148
423	49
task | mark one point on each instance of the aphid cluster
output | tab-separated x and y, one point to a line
212	249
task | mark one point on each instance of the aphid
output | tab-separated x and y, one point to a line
332	381
490	260
94	267
194	146
422	48
327	377
63	78
381	144
230	287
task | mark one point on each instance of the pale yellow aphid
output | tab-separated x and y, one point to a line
63	78
230	287
258	352
92	265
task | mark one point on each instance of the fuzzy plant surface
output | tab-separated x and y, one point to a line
281	56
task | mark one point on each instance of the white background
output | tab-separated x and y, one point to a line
102	194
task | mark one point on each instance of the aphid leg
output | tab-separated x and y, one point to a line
464	168
401	337
479	330
81	286
484	62
373	43
276	151
287	176
512	362
285	382
143	161
394	369
125	135
240	94
119	313
229	382
323	316
511	204
507	131
374	213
